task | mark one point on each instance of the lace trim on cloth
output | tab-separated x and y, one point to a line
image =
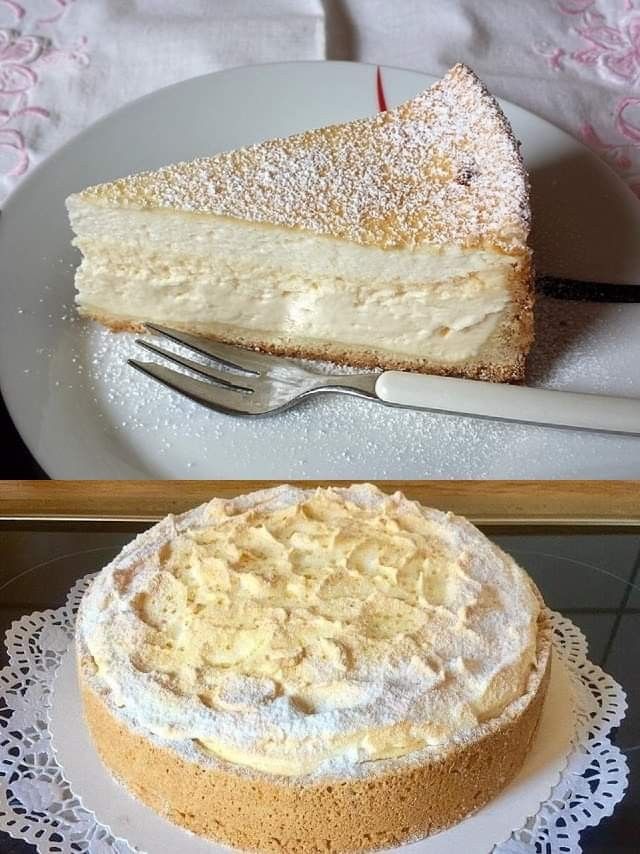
38	805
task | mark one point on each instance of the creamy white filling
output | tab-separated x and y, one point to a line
439	303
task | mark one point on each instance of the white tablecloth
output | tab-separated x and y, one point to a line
64	63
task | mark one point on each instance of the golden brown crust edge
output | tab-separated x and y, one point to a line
341	355
258	813
356	145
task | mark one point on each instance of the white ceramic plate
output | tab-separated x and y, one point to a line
83	413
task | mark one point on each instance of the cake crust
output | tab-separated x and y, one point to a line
511	371
261	812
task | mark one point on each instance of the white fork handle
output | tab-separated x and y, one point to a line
511	403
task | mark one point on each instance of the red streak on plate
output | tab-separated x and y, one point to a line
382	101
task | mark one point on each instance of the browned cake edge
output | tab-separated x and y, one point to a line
502	358
260	812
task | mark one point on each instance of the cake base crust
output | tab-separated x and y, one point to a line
515	337
259	812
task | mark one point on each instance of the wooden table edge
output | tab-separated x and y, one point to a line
578	502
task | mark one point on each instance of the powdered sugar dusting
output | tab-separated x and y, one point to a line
441	168
476	608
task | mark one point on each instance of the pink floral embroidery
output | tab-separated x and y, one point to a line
17	77
18	10
16	54
22	56
62	7
617	47
615	154
628	119
618	155
554	55
76	53
613	47
13	146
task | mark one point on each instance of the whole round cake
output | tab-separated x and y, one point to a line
313	670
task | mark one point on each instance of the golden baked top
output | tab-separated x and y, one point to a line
294	632
442	168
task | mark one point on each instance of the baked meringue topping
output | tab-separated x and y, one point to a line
312	628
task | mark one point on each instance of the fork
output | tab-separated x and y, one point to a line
249	383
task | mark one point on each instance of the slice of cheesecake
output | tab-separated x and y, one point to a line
398	241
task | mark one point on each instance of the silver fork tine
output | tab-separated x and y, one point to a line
233	356
223	378
214	396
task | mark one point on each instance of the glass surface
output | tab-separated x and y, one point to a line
592	575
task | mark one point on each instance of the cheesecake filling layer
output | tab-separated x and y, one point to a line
340	625
439	303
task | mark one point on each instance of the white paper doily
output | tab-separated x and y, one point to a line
38	805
